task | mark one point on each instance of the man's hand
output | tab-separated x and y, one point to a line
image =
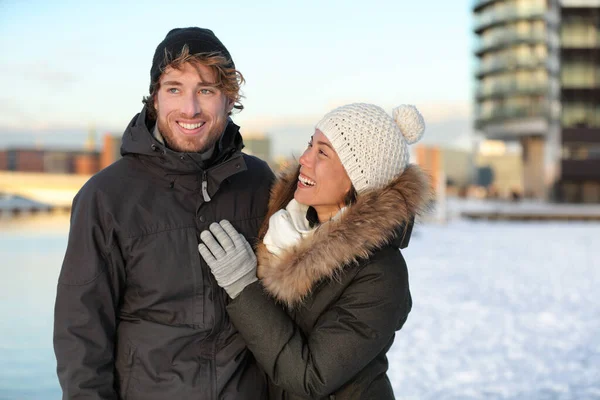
229	256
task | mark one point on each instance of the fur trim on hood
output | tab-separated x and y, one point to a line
367	225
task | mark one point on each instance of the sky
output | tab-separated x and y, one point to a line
71	66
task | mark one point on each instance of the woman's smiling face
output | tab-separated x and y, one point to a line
323	182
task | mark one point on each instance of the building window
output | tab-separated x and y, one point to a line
579	32
580	115
11	160
580	74
581	152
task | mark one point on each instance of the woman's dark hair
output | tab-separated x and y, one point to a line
350	196
313	217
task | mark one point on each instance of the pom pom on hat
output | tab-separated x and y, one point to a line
410	121
372	146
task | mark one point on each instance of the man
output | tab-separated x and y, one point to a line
138	314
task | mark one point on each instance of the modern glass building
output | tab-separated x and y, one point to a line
580	100
533	87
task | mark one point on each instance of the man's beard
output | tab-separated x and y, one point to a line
194	144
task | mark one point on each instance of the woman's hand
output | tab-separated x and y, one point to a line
229	256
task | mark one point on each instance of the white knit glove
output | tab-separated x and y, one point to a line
229	256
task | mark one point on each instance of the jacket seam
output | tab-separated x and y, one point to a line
185	227
85	282
160	231
99	274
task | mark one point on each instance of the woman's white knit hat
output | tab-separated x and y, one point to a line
372	146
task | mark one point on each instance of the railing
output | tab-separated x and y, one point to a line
504	63
480	3
513	113
502	89
507	37
496	16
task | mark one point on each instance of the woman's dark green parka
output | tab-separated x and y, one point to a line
324	314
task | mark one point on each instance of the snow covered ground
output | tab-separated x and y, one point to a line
501	311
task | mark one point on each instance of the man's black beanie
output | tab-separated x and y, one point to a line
199	40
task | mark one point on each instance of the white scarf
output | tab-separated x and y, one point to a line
289	226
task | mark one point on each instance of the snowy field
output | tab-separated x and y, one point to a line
501	311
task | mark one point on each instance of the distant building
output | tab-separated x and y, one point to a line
3	160
539	85
86	163
259	145
457	166
60	161
505	165
281	163
25	160
49	161
579	178
111	150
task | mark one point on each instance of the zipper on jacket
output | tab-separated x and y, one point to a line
205	187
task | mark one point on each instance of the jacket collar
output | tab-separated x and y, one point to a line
379	217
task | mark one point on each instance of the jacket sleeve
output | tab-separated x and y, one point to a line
347	337
85	315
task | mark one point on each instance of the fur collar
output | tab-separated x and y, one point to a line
367	225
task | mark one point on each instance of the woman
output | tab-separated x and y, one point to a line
332	285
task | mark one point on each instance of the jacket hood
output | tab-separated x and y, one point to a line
138	139
379	217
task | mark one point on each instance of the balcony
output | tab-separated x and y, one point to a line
509	64
495	17
496	42
479	4
504	114
503	90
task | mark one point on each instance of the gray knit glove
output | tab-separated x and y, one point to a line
229	256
